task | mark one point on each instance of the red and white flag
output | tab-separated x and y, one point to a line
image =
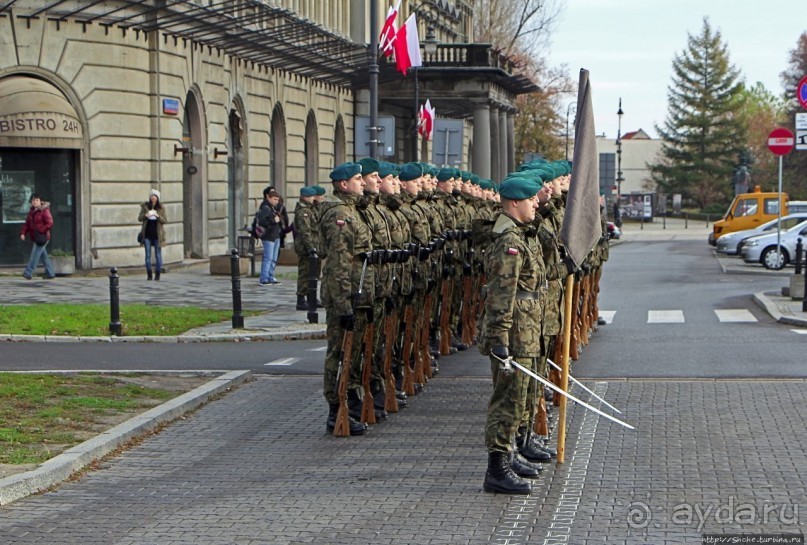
388	31
426	121
407	46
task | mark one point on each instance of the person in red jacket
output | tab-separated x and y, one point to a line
38	225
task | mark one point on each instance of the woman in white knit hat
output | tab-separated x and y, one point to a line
152	234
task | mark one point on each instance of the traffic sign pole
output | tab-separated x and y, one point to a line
780	142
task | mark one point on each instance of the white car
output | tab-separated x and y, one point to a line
731	243
762	248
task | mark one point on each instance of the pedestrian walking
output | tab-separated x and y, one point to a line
37	225
152	218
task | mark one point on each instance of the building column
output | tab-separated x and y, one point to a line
503	144
511	141
481	159
495	164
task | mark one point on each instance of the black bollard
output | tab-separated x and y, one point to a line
313	278
115	327
798	255
235	274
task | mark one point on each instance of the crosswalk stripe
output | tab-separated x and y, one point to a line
318	349
799	331
282	362
735	315
665	316
607	315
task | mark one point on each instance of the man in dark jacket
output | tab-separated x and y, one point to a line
267	227
37	225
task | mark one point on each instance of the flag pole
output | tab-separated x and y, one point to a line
564	366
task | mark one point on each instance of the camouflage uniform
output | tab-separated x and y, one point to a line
512	320
345	238
305	240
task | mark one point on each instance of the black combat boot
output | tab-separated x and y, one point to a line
356	428
302	304
148	275
500	477
523	468
531	451
380	402
354	403
157	276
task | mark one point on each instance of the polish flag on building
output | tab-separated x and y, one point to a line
426	122
388	31
407	46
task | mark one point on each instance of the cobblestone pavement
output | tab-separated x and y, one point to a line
706	457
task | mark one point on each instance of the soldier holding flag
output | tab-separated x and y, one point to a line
512	328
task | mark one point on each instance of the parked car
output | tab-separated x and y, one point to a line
613	230
795	207
762	248
730	244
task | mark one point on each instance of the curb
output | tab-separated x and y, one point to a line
291	335
773	309
61	467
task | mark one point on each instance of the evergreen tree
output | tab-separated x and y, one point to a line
702	135
794	179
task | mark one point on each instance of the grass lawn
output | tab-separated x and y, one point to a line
93	320
42	415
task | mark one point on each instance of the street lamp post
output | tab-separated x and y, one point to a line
430	48
619	179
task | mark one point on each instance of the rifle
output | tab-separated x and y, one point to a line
406	353
313	277
467	293
342	427
423	342
390	323
445	308
367	406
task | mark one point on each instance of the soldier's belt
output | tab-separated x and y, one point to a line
529	295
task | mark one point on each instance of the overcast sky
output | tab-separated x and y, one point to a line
628	48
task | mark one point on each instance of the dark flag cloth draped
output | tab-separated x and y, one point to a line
581	223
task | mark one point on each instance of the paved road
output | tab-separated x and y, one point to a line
711	453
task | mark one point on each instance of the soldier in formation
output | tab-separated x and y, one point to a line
420	262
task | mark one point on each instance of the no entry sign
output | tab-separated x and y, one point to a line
781	141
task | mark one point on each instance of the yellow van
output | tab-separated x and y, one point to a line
749	210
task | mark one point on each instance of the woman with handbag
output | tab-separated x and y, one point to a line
38	224
152	234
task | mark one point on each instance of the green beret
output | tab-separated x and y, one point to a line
345	171
319	190
368	165
409	172
465	175
444	174
517	188
485	184
308	191
474	179
385	169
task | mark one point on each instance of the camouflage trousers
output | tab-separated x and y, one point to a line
506	406
535	389
303	271
335	335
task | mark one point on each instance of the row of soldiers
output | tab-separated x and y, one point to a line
408	251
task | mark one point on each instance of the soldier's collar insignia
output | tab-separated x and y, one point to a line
512	251
340	223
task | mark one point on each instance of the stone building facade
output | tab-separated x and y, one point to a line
208	102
